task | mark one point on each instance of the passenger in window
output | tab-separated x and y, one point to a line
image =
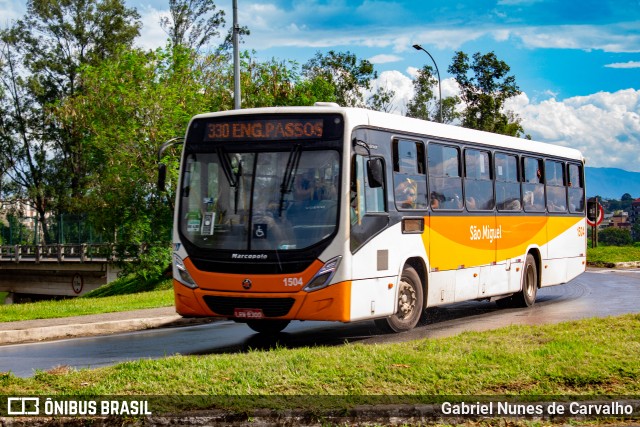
436	200
471	203
406	194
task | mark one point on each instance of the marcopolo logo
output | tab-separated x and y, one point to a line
249	256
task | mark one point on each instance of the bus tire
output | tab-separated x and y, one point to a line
269	327
527	296
409	304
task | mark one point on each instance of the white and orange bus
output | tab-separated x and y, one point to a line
344	214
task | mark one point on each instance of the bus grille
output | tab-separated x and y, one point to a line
271	307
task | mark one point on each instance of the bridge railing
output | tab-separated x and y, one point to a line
80	252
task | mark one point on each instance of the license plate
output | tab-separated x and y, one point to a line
248	313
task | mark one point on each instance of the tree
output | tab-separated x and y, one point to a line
40	62
345	73
614	236
635	232
382	100
193	23
424	104
132	104
485	86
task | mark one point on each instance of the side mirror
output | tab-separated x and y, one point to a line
375	173
162	177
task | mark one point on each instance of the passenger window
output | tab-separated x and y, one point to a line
556	190
445	183
507	184
409	176
478	185
533	185
576	189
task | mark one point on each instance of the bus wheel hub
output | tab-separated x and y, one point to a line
406	300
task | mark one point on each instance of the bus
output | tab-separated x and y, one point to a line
345	214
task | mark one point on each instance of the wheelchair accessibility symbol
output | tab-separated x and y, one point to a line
259	231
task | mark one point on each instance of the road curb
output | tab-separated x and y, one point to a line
75	330
620	265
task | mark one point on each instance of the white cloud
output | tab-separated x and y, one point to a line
10	11
384	59
604	126
397	82
152	35
611	38
630	64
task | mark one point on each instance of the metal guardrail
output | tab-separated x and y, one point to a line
83	252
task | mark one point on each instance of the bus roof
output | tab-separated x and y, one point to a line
363	117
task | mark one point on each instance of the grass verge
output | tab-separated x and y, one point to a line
82	306
606	256
587	357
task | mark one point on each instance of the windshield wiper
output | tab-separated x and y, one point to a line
225	162
289	174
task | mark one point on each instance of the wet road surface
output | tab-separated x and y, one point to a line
597	293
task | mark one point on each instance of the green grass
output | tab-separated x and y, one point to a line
606	256
587	357
82	306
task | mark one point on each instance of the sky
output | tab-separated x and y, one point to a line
577	62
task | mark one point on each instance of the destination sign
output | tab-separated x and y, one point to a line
264	129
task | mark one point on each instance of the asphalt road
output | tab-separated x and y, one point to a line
597	293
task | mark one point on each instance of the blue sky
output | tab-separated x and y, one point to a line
577	62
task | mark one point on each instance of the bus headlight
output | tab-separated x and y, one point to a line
323	277
181	274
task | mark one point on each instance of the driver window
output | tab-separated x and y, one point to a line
363	198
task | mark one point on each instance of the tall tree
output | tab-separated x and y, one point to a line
425	105
41	59
349	76
485	86
382	100
193	23
133	103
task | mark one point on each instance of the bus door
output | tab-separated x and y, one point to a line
509	219
478	265
448	238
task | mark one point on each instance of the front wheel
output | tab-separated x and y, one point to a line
409	304
527	296
269	327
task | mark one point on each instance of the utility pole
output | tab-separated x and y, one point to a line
236	58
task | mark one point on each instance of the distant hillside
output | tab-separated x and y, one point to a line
612	183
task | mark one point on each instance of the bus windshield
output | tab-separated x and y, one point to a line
262	200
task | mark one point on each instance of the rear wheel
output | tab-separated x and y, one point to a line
269	327
527	296
409	304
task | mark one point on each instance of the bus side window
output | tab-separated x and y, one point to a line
445	183
507	183
576	189
409	177
556	190
478	184
533	185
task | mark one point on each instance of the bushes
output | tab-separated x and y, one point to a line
614	236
